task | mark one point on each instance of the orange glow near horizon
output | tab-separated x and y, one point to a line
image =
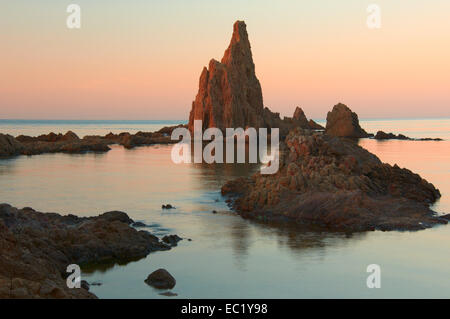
142	59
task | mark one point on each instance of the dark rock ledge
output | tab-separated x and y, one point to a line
391	136
36	248
335	184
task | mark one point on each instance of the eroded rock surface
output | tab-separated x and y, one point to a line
332	182
71	143
230	95
229	92
9	146
36	248
342	122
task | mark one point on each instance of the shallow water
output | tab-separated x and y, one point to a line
230	257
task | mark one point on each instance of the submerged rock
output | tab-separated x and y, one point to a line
342	122
334	183
161	279
171	240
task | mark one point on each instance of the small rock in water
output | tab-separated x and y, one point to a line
161	279
168	206
172	240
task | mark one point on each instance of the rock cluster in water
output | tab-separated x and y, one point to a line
36	248
71	143
332	182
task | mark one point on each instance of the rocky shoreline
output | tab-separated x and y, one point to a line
72	144
36	248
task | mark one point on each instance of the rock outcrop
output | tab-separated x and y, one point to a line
342	122
333	183
230	95
71	143
391	136
36	248
9	146
229	92
299	120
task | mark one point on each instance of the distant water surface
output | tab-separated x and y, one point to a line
229	257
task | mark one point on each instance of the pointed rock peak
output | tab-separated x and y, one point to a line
342	122
299	114
229	94
239	32
239	48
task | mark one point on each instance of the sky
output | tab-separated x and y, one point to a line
141	59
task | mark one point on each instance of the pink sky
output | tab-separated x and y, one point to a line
142	59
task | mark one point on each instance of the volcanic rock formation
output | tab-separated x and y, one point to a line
229	92
230	95
334	183
9	146
342	122
36	248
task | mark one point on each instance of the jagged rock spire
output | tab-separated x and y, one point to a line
229	92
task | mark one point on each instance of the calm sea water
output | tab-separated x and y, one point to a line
229	257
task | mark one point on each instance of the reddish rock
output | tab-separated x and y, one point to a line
229	92
300	117
332	182
342	122
315	126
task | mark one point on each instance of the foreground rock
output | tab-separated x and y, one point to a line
161	279
342	122
335	184
36	248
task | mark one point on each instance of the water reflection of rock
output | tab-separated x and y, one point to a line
216	174
303	240
243	233
240	233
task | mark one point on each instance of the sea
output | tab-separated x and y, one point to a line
227	256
